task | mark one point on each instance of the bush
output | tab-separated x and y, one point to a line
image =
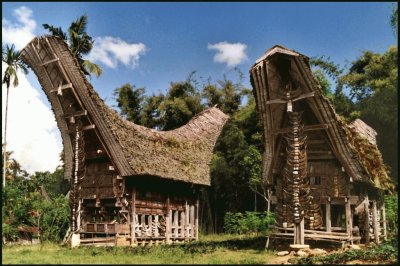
248	222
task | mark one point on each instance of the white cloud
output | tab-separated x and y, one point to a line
230	53
110	51
32	132
20	33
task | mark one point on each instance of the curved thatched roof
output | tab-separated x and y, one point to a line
182	154
266	78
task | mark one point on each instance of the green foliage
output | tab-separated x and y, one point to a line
248	222
25	203
385	252
130	101
80	43
391	208
12	58
394	19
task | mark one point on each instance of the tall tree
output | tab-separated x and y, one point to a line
12	58
130	101
79	42
373	83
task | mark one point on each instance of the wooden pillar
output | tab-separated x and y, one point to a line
183	223
187	220
301	233
375	221
384	221
191	220
133	214
349	223
168	223
176	223
197	218
366	210
328	215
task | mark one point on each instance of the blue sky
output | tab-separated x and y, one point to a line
152	44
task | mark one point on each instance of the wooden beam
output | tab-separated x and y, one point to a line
305	95
76	114
88	127
50	61
306	128
62	87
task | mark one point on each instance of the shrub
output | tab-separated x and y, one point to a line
248	222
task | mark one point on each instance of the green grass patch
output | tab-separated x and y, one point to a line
214	249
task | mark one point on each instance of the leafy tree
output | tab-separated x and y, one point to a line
394	19
130	101
181	103
12	58
79	42
372	81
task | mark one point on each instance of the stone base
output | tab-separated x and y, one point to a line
75	240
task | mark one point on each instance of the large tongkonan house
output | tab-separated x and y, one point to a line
130	184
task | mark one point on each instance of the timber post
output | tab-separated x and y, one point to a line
133	220
366	225
168	223
328	214
384	221
349	222
375	222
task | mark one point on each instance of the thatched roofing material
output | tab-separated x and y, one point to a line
267	84
182	154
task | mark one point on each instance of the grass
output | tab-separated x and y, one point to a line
212	249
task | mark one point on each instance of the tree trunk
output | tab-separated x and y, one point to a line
5	140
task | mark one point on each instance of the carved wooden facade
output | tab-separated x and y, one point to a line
130	184
325	187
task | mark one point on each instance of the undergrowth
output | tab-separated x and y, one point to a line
384	252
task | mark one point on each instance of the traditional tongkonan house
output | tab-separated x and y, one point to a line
130	184
327	176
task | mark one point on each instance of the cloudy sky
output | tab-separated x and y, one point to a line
152	44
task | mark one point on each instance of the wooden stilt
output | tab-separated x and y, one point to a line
191	220
197	218
328	216
349	224
384	221
366	210
176	235
301	233
375	221
168	223
133	214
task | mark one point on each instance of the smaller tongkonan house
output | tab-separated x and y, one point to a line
130	184
327	176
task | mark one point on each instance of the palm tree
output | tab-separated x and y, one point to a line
12	58
79	42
